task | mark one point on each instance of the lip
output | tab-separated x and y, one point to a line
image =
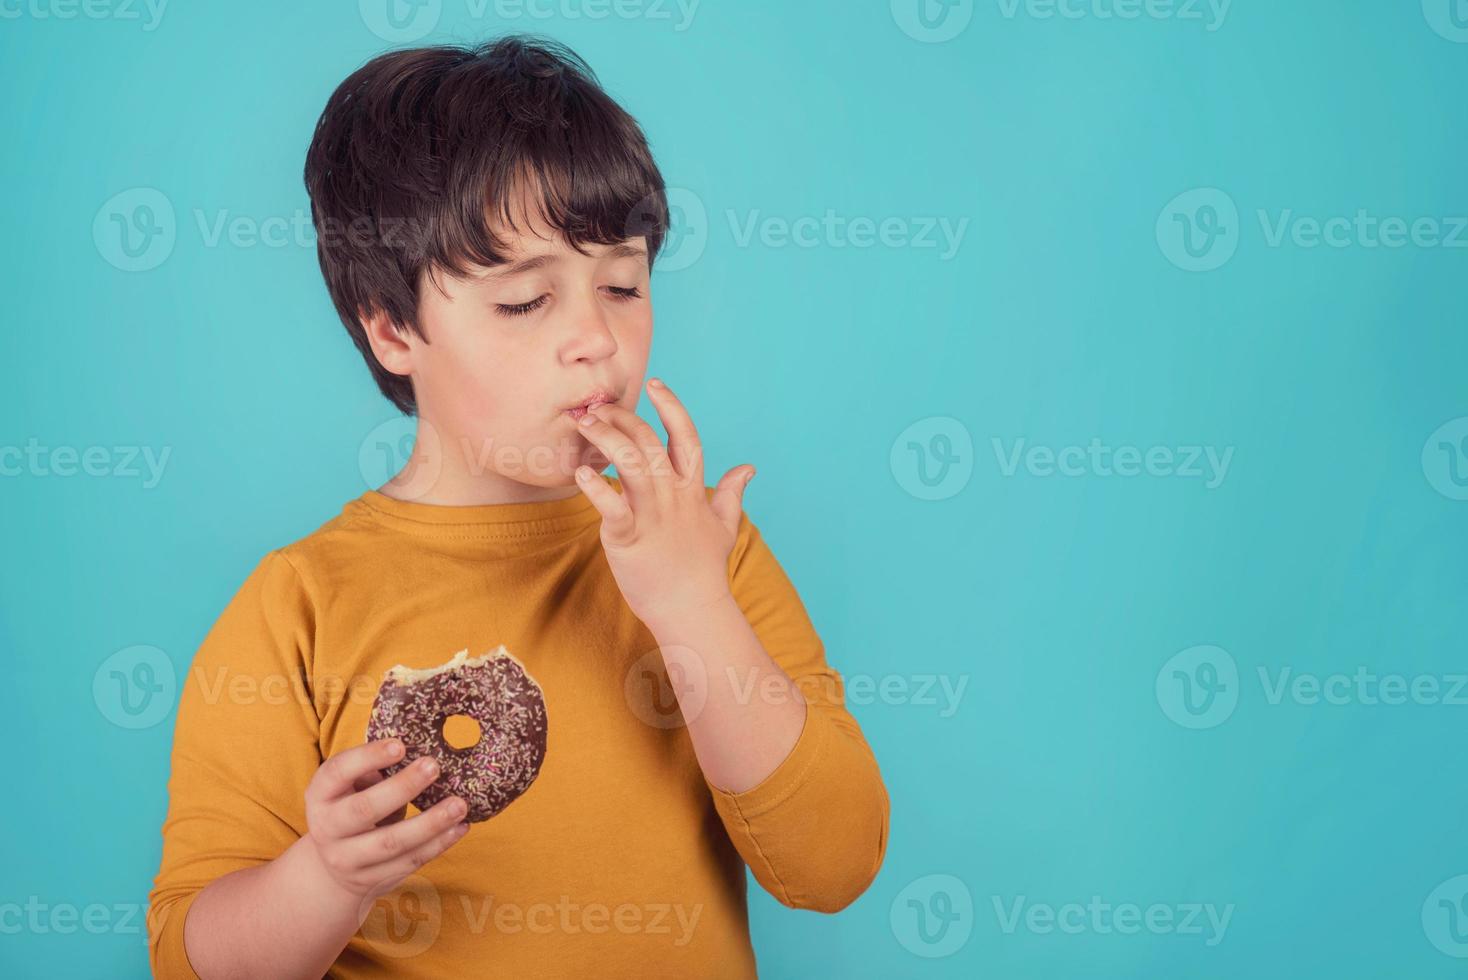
598	396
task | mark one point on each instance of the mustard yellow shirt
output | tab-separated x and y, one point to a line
622	860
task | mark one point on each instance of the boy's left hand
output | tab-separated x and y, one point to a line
667	543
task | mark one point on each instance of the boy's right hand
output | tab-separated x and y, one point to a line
356	820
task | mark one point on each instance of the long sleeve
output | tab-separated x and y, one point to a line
814	831
245	744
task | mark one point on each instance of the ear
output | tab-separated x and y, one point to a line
389	342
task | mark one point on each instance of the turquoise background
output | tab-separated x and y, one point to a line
862	381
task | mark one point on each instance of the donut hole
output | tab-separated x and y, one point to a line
461	732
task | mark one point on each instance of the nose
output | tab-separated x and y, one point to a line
591	335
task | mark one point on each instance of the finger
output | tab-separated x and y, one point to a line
627	456
629	423
367	779
616	515
660	473
728	497
403	866
338	775
361	811
390	843
684	445
372	779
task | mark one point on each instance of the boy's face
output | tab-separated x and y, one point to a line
512	348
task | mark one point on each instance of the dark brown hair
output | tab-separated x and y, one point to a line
418	149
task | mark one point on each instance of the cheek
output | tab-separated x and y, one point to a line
490	394
470	382
503	393
634	334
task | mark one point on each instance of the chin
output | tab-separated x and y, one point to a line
554	465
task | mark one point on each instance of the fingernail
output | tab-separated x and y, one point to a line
655	383
394	749
457	808
588	418
428	765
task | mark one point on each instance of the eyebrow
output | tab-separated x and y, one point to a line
619	251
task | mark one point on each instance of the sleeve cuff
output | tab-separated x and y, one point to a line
787	777
170	958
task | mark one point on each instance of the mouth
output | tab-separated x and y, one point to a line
601	396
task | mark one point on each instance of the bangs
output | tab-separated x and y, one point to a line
590	204
563	155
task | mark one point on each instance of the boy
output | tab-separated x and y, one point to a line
500	294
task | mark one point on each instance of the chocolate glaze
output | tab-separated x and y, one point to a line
510	709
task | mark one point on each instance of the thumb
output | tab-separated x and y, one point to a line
728	499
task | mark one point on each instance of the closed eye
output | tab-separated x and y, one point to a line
521	309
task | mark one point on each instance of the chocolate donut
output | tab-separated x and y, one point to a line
497	692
